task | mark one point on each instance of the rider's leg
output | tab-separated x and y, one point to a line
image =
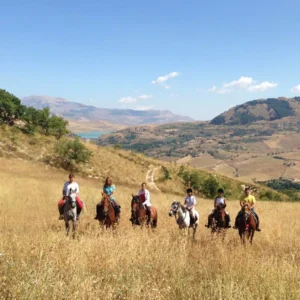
98	211
209	220
61	205
237	220
192	214
79	206
257	218
116	208
227	216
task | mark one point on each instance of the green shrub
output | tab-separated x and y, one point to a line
166	173
210	187
72	153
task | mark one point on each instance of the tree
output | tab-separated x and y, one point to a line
72	153
210	186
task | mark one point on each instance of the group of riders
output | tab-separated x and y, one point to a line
190	202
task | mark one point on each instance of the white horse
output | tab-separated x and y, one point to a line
183	218
70	213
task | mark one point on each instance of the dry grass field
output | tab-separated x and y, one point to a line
38	261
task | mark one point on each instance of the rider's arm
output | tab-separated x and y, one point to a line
77	189
242	203
215	203
224	201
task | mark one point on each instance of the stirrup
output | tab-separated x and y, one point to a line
258	229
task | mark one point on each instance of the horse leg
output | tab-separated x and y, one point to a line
67	227
194	230
74	228
251	236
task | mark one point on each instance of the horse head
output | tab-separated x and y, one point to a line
135	202
174	208
105	201
72	199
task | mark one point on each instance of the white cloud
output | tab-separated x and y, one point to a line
145	97
162	79
128	100
243	83
144	107
296	89
262	86
212	89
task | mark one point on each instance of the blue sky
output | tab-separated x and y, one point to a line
196	58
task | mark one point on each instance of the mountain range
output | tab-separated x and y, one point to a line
77	112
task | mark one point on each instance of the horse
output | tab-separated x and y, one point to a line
182	217
139	214
107	215
246	224
218	222
70	213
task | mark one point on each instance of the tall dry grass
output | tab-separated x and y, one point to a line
39	262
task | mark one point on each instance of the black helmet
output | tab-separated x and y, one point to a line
221	191
189	190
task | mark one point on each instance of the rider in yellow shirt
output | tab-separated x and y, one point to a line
250	200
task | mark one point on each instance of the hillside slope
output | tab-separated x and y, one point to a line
85	113
257	110
125	167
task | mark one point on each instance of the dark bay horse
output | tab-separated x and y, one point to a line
107	215
139	214
218	223
246	224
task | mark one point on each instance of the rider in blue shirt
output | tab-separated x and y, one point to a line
109	189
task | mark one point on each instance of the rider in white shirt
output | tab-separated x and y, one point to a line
190	202
144	195
70	187
219	201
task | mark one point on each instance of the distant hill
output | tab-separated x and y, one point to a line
259	110
73	111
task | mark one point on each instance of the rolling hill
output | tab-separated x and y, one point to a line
101	117
260	110
244	142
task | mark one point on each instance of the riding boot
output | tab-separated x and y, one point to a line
227	221
148	213
79	209
257	225
98	206
236	223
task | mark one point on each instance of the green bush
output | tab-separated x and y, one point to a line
166	173
72	153
210	187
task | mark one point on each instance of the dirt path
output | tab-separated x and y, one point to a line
150	178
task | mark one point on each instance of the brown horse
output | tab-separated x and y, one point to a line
218	223
107	215
246	224
139	214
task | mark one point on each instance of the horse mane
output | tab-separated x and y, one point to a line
182	207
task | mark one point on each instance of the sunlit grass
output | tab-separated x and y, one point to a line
39	262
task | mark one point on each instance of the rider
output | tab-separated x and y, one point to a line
250	200
144	195
109	189
219	201
189	203
70	186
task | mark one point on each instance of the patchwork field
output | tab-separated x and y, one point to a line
37	261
